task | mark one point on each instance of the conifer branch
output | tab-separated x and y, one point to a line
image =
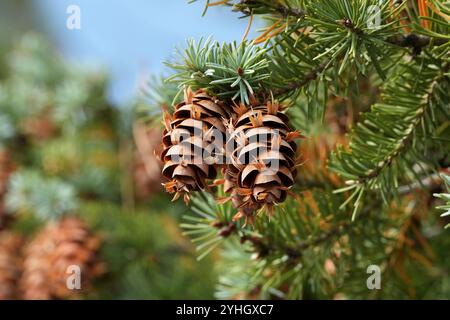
387	133
264	6
314	47
416	40
311	76
406	140
294	251
445	197
230	71
429	182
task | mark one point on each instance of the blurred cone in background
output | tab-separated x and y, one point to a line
6	168
48	257
147	167
39	127
10	262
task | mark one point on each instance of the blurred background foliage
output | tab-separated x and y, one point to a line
70	147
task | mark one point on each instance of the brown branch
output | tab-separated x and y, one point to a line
417	42
291	12
312	75
246	7
427	182
294	252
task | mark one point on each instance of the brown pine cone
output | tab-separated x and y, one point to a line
48	257
10	265
193	142
39	127
263	158
146	166
6	169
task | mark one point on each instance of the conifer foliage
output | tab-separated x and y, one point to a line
372	76
73	224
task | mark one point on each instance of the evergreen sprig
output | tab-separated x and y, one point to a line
316	51
210	225
303	250
392	141
261	7
349	31
230	71
445	197
47	198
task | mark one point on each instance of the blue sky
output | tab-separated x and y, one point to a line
131	38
